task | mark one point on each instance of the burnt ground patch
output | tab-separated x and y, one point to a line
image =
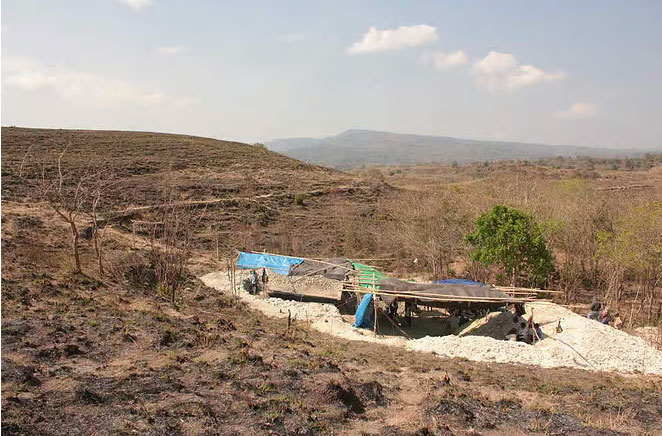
481	413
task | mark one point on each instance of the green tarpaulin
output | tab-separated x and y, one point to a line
367	275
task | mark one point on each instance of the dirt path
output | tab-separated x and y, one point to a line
255	199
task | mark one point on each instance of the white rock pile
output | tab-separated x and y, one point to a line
583	343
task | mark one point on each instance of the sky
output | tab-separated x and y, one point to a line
557	72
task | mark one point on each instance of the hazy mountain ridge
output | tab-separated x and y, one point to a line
363	147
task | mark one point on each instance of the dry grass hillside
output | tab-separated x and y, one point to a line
251	196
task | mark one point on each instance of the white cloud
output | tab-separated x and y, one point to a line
394	39
138	5
170	50
29	76
580	111
501	71
446	61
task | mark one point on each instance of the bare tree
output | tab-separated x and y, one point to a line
429	227
171	244
104	181
70	190
67	193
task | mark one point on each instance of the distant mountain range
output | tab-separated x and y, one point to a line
365	147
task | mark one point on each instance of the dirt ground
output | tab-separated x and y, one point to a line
83	355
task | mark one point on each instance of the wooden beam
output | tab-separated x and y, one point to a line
534	290
451	298
429	295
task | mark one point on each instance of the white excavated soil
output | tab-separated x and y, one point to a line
652	335
583	343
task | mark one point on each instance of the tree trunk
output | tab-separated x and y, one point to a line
513	276
436	269
97	249
74	245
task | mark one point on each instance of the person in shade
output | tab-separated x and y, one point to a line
253	282
594	313
605	316
265	279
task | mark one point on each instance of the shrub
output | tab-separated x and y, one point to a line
512	239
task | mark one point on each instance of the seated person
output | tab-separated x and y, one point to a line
594	314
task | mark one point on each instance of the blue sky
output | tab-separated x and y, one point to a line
580	72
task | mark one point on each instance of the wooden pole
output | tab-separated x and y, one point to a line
374	300
459	299
234	285
533	290
432	296
358	260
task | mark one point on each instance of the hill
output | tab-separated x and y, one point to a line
355	148
249	193
201	167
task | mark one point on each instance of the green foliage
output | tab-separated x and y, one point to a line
298	199
511	238
164	290
635	242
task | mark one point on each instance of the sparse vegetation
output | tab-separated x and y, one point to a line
110	356
171	245
428	226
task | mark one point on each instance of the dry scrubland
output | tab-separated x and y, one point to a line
602	220
86	353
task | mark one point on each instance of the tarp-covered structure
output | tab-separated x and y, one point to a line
451	293
444	294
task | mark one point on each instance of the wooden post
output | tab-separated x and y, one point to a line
232	278
374	300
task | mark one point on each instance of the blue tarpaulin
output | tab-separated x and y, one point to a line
364	313
457	282
278	264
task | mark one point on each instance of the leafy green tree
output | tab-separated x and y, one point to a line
512	239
